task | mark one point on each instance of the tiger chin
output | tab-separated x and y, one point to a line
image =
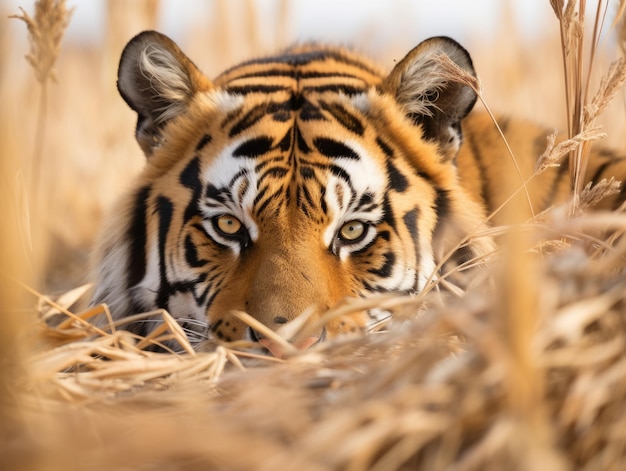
288	184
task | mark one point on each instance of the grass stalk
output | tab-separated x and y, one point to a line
45	32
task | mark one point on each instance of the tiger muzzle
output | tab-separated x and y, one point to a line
287	285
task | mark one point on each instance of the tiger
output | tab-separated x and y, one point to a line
290	183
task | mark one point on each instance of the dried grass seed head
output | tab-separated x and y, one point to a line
45	32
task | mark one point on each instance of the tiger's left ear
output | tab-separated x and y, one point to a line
428	97
158	81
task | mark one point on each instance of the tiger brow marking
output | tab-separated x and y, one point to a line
254	147
344	117
388	151
334	149
397	181
249	119
203	142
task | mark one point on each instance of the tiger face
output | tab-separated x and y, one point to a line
285	185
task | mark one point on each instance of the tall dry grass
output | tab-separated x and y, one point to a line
530	379
582	109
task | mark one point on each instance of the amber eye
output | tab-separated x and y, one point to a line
352	231
228	225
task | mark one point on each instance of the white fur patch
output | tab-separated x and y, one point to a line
220	173
146	291
366	176
221	101
361	102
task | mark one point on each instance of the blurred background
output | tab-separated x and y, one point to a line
89	153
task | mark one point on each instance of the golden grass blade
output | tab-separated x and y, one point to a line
250	321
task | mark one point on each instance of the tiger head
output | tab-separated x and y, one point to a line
285	185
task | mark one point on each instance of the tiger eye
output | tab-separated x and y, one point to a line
352	230
228	224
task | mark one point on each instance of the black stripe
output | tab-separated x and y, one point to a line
190	178
285	143
247	89
214	193
253	116
366	199
305	58
203	142
387	269
599	171
344	117
265	162
482	171
335	88
233	115
308	199
275	172
191	254
307	173
309	112
334	149
165	210
137	235
302	145
388	215
341	173
384	147
323	205
410	221
290	72
274	196
442	204
254	148
397	181
260	196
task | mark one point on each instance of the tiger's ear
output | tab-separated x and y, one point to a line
158	81
430	99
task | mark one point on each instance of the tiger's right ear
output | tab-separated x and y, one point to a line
157	81
429	97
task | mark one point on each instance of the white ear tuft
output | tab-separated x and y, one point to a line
167	79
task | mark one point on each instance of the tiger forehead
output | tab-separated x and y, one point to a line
303	68
298	132
318	159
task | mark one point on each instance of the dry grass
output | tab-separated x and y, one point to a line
582	110
529	375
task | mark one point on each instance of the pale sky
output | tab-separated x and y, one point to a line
339	20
